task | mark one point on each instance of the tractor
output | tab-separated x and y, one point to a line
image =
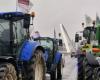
89	57
53	57
20	57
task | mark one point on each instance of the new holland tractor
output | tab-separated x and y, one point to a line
20	57
89	57
53	57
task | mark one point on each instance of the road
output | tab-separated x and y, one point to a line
69	72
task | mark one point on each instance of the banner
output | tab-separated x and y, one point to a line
25	2
24	5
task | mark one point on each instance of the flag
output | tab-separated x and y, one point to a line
97	19
30	5
24	5
88	20
24	2
54	33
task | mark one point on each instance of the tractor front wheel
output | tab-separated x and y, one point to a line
37	67
56	73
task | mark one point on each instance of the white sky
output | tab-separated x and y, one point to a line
51	13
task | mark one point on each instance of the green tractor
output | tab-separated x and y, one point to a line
89	57
20	57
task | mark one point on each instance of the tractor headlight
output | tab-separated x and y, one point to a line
7	16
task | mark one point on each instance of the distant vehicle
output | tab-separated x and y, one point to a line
89	57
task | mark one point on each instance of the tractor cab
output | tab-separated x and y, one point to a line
47	43
14	28
92	35
50	46
89	33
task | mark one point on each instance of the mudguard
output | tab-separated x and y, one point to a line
46	55
57	58
27	50
91	59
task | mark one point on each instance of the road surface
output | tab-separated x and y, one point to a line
70	70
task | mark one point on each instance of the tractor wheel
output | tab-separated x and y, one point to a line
37	67
59	70
7	72
80	67
88	71
56	73
97	73
53	75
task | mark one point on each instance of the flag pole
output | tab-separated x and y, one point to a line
16	5
54	33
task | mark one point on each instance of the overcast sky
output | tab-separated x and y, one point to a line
51	13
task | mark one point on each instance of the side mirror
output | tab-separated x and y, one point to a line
26	21
60	42
76	37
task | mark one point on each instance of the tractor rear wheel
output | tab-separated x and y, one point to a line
7	72
80	67
37	67
88	71
97	73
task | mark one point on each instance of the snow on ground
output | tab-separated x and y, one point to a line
70	69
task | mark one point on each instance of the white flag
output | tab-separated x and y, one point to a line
24	5
97	19
88	20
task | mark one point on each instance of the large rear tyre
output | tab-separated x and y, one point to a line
37	67
97	73
88	71
7	72
80	67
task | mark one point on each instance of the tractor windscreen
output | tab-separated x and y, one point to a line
46	43
4	36
19	32
8	44
90	34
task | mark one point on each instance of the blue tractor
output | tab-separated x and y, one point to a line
53	57
20	57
